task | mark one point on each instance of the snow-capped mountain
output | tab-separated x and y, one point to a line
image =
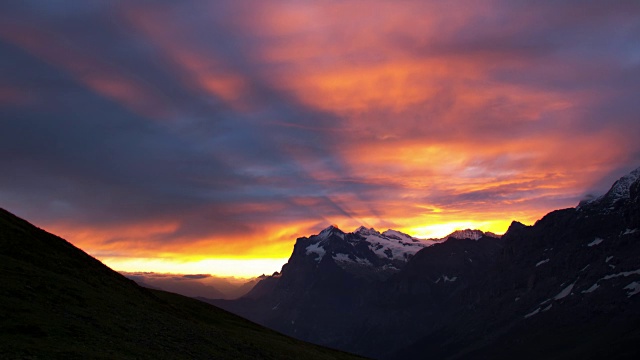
392	244
620	191
333	278
387	252
566	287
388	246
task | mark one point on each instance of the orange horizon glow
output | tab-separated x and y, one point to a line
219	267
255	258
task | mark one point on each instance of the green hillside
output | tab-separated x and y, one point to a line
58	302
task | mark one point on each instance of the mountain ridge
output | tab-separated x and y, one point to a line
57	302
564	287
390	244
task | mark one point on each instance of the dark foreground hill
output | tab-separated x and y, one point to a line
58	302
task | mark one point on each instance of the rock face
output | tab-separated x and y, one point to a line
566	287
334	281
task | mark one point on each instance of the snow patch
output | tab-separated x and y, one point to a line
316	249
564	293
595	242
542	262
561	295
591	289
389	267
608	258
344	258
449	279
394	234
625	274
393	244
633	288
612	276
629	231
532	313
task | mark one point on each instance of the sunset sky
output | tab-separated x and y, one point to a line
205	136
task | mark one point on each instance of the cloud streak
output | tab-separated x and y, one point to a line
190	130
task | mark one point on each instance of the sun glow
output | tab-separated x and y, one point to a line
253	267
239	268
441	230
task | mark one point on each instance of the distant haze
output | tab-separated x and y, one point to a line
206	286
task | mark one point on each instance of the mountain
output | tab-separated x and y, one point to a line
565	287
335	284
619	195
57	302
363	253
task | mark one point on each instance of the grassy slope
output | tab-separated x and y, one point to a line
58	302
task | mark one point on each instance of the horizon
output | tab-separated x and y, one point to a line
181	137
231	268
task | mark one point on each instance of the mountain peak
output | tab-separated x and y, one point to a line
466	234
620	190
364	231
329	230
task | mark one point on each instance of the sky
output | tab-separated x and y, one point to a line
206	136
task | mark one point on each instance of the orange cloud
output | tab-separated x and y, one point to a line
198	70
422	116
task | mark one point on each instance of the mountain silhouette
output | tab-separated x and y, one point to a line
57	302
566	287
